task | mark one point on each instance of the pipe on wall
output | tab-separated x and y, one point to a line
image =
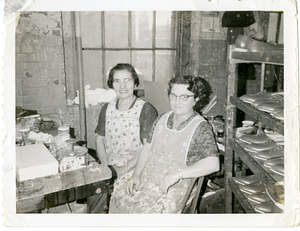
82	109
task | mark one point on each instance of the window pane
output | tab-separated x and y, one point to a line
116	29
164	66
142	22
92	68
91	29
142	61
115	57
165	33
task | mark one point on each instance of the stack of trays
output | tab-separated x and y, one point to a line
263	198
265	149
257	143
274	159
277	152
276	165
275	136
251	98
272	103
259	147
255	139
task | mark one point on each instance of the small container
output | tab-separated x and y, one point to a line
247	123
61	138
24	133
64	130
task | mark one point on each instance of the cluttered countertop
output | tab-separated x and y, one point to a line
49	160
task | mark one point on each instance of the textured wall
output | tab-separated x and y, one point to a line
40	66
40	73
259	31
208	53
44	66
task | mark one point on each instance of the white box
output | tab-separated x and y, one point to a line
34	161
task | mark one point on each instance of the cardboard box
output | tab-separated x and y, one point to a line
34	161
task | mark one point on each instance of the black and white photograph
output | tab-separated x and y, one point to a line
151	115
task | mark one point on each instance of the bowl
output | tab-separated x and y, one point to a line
247	123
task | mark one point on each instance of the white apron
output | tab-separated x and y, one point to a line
169	150
122	132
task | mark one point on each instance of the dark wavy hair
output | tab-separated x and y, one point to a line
198	85
121	67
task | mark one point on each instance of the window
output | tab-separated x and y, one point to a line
147	40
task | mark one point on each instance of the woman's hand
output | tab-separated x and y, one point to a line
134	183
168	181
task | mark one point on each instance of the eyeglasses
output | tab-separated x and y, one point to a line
119	81
182	98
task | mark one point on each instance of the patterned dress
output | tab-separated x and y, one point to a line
170	150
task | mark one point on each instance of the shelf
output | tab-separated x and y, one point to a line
235	149
256	165
263	117
271	57
241	197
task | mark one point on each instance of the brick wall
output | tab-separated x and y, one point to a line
40	71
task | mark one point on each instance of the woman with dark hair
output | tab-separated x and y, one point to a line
181	146
122	67
124	123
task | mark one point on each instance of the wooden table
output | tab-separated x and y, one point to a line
92	182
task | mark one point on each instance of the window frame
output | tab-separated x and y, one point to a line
175	24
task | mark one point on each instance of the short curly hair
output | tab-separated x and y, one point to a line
198	85
195	84
120	67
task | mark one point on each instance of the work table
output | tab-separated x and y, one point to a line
45	192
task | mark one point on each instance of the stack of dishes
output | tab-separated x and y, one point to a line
259	147
276	165
272	103
264	198
270	154
255	139
267	150
276	204
275	136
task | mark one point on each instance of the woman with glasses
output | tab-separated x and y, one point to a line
181	146
124	123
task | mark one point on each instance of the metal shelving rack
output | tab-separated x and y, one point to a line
235	149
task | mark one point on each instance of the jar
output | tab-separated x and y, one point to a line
64	130
61	138
24	133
